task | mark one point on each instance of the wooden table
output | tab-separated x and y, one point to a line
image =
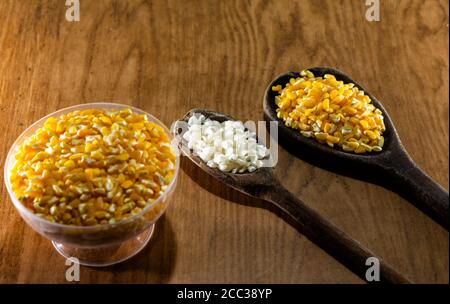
167	57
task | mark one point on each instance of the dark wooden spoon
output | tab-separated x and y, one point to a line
391	168
264	185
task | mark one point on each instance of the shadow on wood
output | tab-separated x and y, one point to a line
157	258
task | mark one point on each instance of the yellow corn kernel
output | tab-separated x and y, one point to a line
360	149
354	120
60	127
349	110
126	184
326	104
371	134
364	124
69	165
285	103
372	122
137	126
105	131
89	147
347	148
304	127
121	178
328	127
332	139
123	157
83	132
73	130
92	172
106	120
353	144
309	103
98	155
40	156
321	136
50	123
291	95
366	147
276	88
338	99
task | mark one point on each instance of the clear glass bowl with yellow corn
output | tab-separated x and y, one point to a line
332	112
93	178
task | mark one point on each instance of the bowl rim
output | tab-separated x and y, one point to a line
94	105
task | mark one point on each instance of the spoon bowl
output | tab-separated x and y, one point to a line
263	184
391	168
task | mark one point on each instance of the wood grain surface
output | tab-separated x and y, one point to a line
167	57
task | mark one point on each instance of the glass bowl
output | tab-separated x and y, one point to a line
100	245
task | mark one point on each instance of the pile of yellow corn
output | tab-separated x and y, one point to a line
331	111
93	167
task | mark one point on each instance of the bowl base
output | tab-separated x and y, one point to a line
106	255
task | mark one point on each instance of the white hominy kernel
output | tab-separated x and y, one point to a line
227	145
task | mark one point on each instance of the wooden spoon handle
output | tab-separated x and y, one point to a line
330	238
405	178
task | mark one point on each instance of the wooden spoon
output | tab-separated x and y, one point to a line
391	168
264	185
